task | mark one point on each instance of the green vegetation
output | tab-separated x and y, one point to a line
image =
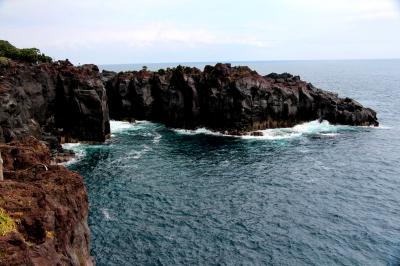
31	55
7	224
4	60
161	71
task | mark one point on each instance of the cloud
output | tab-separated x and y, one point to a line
106	31
145	35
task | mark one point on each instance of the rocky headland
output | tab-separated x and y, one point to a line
233	100
44	206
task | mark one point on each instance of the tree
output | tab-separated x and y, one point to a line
31	55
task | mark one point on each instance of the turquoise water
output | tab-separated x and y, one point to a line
315	194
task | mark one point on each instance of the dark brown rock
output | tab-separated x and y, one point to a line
50	209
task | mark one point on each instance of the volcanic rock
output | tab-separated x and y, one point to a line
49	206
226	98
52	100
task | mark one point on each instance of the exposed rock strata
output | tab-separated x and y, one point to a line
51	101
228	99
50	209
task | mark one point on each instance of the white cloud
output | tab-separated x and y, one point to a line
145	35
221	29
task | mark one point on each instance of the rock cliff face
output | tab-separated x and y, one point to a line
234	100
52	100
48	209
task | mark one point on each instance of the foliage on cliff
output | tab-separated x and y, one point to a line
7	224
31	55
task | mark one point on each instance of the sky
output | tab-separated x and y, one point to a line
155	31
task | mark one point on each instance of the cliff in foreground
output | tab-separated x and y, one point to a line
43	209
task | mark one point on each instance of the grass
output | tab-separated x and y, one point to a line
4	60
7	224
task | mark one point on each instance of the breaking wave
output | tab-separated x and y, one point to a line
316	127
78	149
119	126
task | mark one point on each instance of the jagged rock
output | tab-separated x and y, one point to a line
225	98
107	75
50	209
58	99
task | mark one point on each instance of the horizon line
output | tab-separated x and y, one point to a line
246	61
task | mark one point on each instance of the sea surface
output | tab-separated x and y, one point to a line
315	194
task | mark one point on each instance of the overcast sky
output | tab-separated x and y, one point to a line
145	31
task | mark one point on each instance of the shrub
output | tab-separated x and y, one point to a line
7	224
4	60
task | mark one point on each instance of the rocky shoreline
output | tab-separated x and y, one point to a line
44	105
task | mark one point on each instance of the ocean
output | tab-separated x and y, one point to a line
314	194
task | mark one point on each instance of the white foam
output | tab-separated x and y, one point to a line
316	127
273	134
157	138
78	149
199	131
106	214
119	126
138	154
329	134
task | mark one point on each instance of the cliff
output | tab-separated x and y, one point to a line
234	100
53	102
43	209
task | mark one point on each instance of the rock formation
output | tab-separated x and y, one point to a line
229	99
44	207
52	100
46	210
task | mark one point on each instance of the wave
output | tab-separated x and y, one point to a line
157	138
199	131
117	127
78	149
120	126
106	214
134	154
316	127
324	129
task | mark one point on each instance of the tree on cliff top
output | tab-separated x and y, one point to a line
31	55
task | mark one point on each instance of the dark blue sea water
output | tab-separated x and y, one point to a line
315	194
